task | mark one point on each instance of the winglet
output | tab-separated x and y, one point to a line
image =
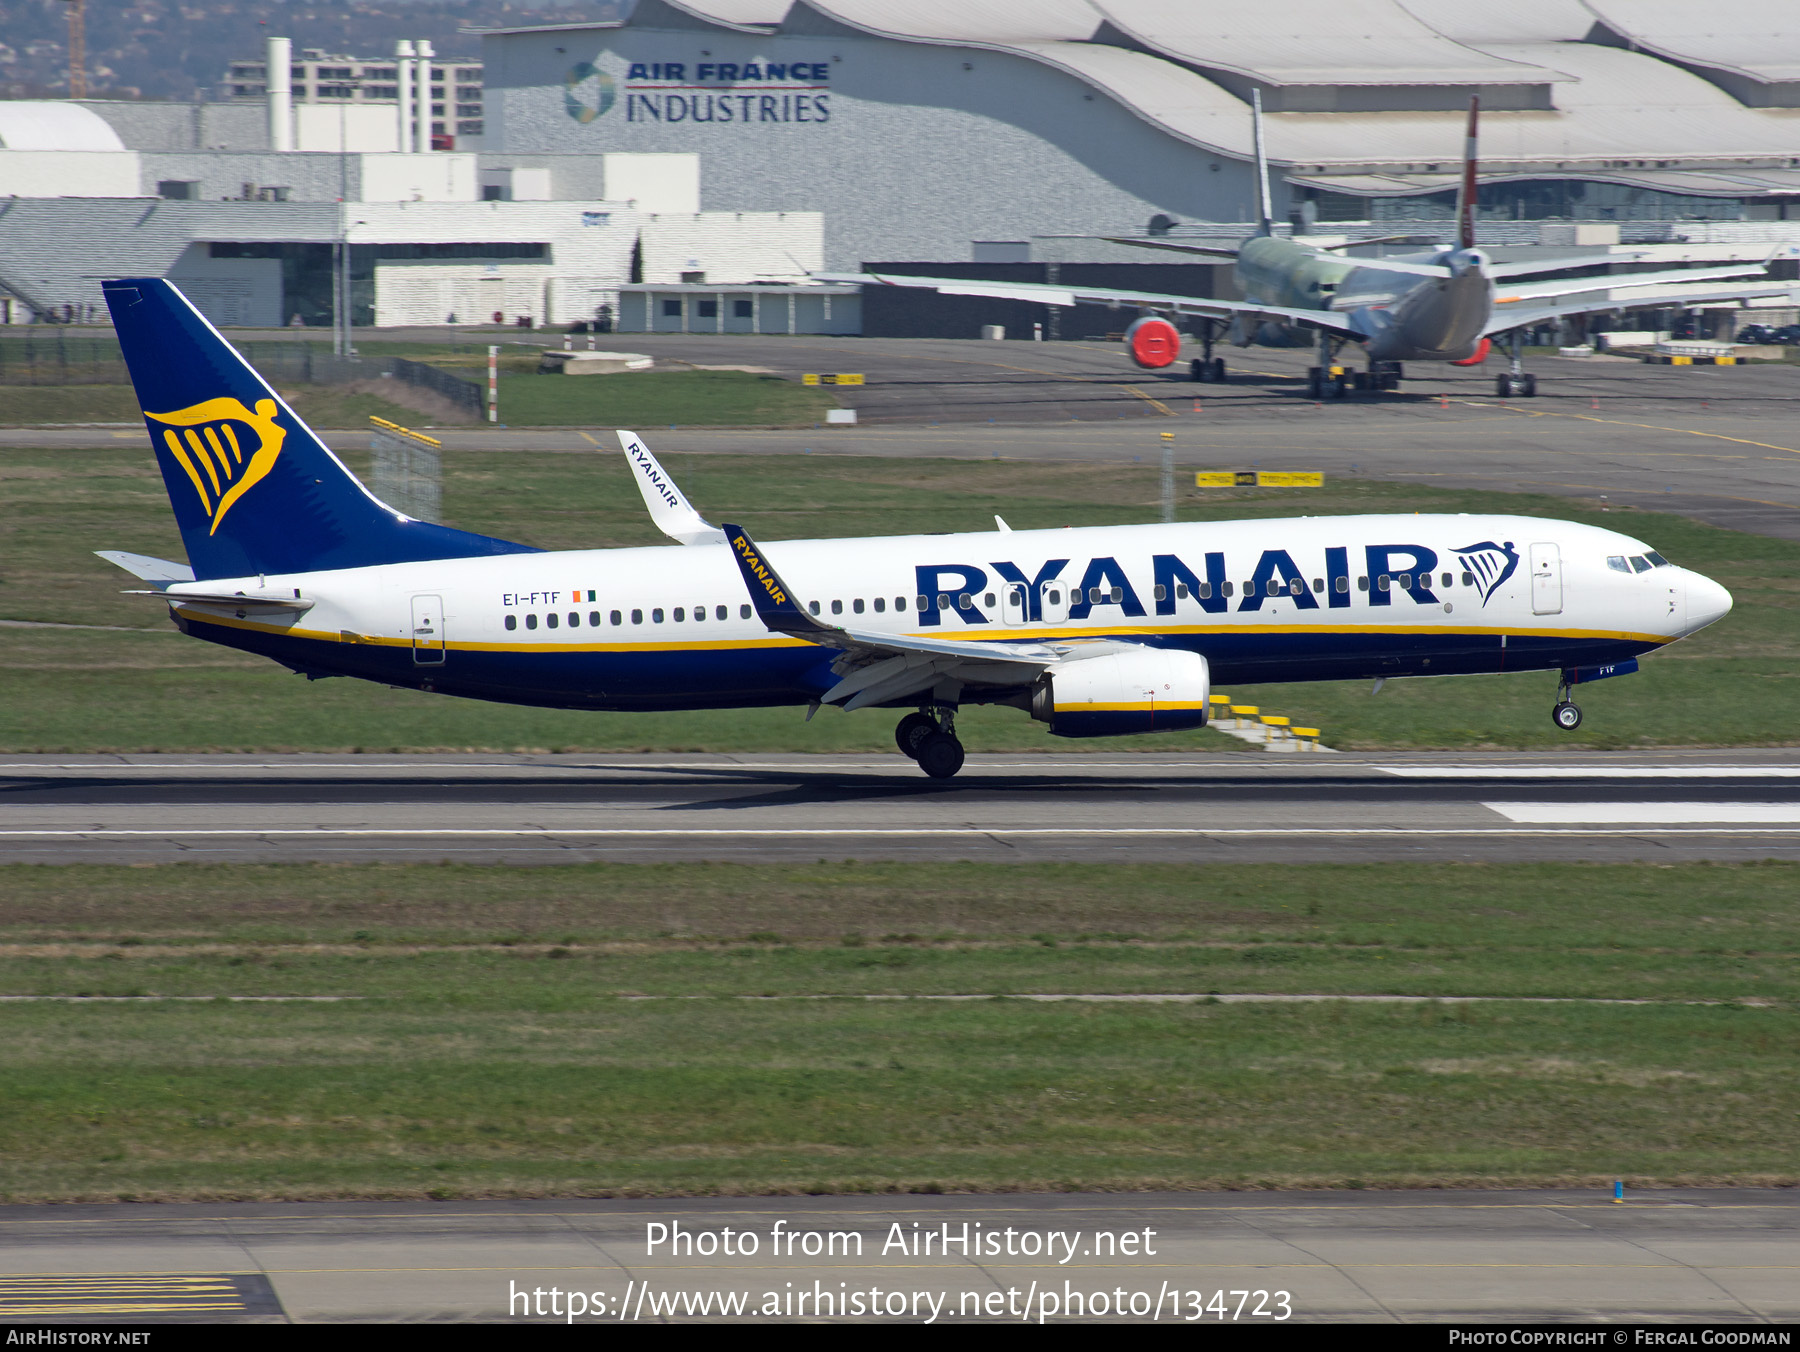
673	514
774	602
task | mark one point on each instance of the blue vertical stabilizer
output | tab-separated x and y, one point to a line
254	490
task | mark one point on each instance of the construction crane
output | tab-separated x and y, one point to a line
77	49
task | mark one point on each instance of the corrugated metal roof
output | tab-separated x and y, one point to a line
1312	42
737	13
1758	38
988	22
1514	21
30	124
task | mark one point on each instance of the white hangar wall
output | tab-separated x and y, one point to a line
909	150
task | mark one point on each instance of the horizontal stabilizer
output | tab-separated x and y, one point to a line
148	569
261	602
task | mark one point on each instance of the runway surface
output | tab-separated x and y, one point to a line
544	809
1715	443
1689	1255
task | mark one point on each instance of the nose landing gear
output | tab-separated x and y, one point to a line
1517	381
929	737
1566	715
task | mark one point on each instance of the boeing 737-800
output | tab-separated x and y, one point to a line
1442	306
1095	631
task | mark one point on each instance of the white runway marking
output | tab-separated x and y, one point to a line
1591	772
1651	814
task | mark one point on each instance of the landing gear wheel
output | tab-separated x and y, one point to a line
1315	382
913	730
1390	381
1218	370
1363	380
1528	385
940	755
1340	387
1566	716
1199	370
1503	386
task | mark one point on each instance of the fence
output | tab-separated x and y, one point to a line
51	356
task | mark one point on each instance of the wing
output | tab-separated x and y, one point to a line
669	508
1046	294
878	668
1670	297
1574	286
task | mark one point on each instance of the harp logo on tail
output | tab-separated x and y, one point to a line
224	448
1491	564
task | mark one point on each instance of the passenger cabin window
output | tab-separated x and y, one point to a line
744	611
721	612
881	605
1362	584
1162	592
1318	584
1406	582
699	614
637	617
1446	579
1343	585
680	614
615	617
574	619
900	603
550	619
1468	579
813	606
857	605
1381	583
1224	589
1181	591
512	621
656	615
531	621
987	601
837	607
594	619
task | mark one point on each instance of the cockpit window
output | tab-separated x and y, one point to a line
1617	563
1640	564
1657	560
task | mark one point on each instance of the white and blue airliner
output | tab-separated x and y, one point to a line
1095	631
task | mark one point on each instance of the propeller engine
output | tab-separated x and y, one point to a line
1153	343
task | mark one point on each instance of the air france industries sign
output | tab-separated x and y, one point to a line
706	91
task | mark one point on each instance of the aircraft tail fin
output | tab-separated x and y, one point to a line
1265	206
1465	194
253	488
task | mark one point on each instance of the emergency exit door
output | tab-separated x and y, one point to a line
1546	580
427	630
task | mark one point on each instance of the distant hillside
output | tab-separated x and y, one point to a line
159	49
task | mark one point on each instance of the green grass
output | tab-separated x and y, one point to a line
647	399
497	1052
150	689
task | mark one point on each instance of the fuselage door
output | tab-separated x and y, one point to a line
1053	600
427	630
1546	580
1012	609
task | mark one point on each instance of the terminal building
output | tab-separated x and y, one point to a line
693	145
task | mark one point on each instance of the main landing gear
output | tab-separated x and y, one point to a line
1518	382
1206	366
929	737
1566	715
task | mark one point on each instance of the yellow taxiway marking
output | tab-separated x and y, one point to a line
1619	422
1156	404
585	437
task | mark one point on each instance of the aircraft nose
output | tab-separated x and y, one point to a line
1707	602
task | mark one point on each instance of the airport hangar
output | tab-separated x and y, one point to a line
974	131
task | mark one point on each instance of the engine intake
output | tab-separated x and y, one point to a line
1153	343
1150	690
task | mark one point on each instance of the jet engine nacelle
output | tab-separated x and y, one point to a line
1153	343
1479	356
1147	690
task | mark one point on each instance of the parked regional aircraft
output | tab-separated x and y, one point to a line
1440	306
1095	631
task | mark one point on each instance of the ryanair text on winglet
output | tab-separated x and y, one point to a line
763	575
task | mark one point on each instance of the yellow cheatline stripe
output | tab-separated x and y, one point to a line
180	453
1009	636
